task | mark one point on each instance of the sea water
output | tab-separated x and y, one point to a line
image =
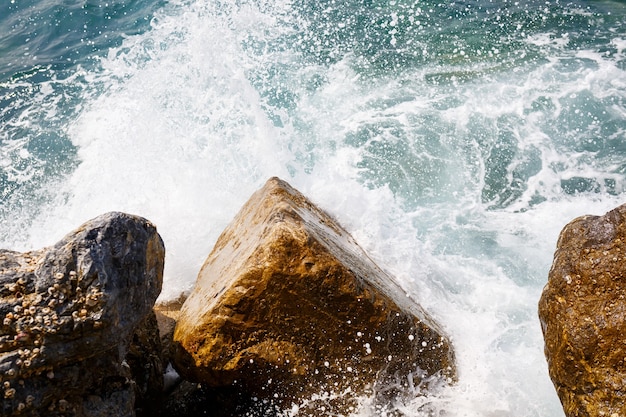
453	139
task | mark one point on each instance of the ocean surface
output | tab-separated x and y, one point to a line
453	139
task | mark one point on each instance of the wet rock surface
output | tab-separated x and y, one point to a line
69	314
288	309
583	316
146	362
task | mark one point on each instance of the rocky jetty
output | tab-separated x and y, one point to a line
289	310
583	316
69	317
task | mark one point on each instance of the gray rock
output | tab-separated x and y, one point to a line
68	314
146	365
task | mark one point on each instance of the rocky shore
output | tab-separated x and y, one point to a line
288	312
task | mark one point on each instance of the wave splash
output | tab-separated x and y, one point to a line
453	141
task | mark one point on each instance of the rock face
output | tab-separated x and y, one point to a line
146	363
68	315
583	316
288	306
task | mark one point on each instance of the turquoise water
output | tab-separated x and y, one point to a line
453	139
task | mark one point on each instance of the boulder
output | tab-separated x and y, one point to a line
582	310
69	313
290	310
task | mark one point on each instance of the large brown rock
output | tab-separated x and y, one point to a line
583	316
69	313
288	306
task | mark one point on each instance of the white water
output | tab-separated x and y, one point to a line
182	137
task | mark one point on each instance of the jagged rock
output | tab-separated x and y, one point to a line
68	315
583	310
288	306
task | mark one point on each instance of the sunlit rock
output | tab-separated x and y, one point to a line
583	316
289	308
68	315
